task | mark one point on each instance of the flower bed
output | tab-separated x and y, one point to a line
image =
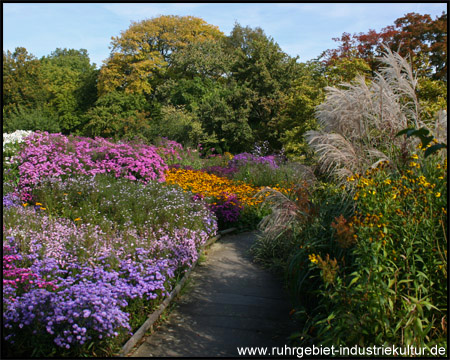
90	251
55	155
210	185
69	283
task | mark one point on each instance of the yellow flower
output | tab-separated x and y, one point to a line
387	181
414	156
77	219
313	258
43	208
25	205
38	204
438	194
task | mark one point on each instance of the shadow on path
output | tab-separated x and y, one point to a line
230	303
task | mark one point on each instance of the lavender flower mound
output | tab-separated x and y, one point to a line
72	282
244	158
10	200
54	155
221	171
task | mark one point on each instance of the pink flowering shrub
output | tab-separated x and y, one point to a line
55	155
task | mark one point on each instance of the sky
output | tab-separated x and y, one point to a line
300	29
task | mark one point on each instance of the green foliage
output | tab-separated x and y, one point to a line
425	138
114	204
224	113
262	174
344	70
69	79
119	115
22	81
298	115
206	59
24	118
388	284
179	125
262	67
432	97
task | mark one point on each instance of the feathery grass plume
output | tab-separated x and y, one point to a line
277	236
360	120
284	213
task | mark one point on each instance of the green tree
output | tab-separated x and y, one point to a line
141	55
298	115
176	123
344	70
267	72
22	82
70	80
204	59
119	115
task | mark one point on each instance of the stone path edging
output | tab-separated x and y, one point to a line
139	334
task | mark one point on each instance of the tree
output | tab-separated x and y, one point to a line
418	36
266	71
298	115
22	81
119	115
142	54
205	59
70	80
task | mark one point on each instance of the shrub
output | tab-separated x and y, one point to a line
227	209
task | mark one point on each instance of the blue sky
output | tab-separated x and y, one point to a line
304	29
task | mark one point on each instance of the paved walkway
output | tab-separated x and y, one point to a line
229	302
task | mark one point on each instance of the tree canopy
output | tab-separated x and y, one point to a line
182	78
418	36
143	52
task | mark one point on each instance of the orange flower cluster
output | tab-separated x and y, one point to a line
345	234
213	186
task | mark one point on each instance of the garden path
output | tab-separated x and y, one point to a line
229	302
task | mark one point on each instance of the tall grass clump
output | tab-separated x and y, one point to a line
360	120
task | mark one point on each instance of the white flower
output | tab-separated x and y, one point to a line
16	137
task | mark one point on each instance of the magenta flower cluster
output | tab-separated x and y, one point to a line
54	155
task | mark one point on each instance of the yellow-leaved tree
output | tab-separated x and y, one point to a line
142	54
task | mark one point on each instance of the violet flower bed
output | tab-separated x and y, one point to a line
71	283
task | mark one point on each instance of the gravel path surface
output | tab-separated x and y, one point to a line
230	302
